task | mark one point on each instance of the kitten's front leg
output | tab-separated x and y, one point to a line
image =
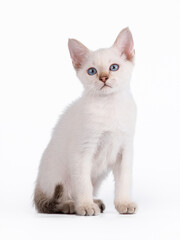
82	185
123	175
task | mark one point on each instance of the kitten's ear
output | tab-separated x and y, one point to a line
78	52
124	43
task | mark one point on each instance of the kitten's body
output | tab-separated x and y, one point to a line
91	138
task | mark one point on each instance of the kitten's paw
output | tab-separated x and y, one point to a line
126	207
100	204
68	207
88	209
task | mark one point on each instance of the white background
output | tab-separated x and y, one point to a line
38	81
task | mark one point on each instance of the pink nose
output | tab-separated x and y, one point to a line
103	78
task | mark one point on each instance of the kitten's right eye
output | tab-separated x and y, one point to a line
91	71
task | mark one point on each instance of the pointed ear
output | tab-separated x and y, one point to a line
78	52
124	43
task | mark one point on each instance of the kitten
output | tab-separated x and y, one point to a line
93	136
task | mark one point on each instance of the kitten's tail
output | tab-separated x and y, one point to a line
44	204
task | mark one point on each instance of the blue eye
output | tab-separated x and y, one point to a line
92	71
114	67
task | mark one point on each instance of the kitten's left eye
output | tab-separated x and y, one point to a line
114	67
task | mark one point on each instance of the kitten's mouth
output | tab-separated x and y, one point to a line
105	85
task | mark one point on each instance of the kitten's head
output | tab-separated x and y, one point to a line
106	70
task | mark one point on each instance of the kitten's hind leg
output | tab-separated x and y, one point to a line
43	203
100	204
55	204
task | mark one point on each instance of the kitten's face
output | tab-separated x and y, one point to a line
106	70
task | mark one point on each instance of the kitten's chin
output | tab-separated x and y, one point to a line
105	86
107	90
102	91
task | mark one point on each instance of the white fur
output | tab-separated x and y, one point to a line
94	135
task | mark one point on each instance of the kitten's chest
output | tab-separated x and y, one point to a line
113	121
112	115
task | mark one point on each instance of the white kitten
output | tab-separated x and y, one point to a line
93	136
